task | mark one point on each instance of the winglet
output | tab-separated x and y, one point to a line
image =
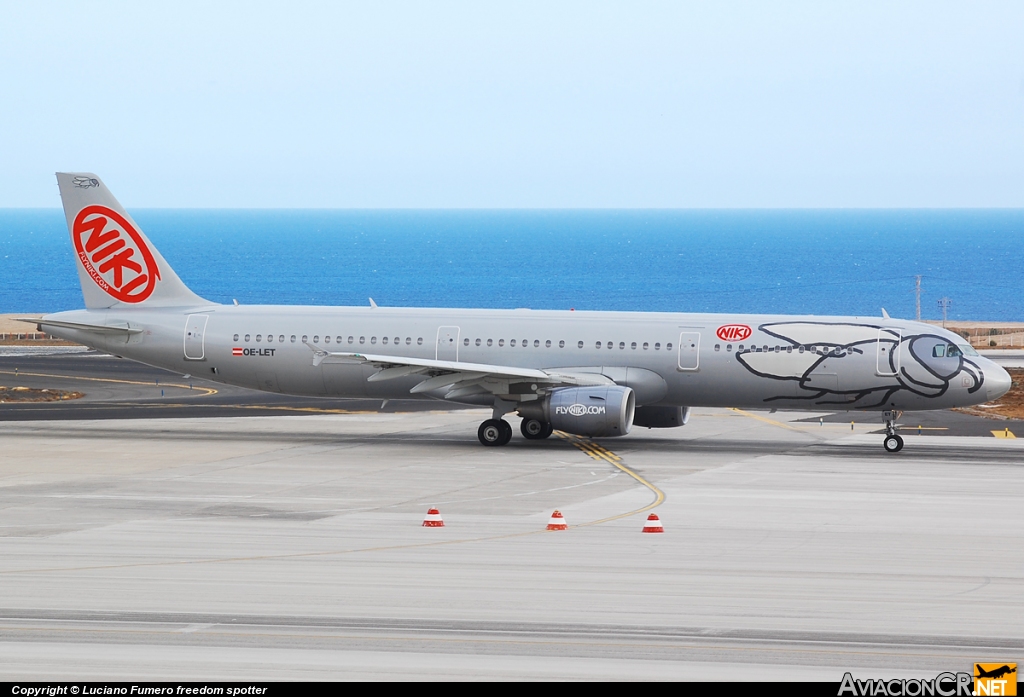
885	315
372	304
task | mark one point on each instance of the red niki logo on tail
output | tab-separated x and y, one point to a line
114	254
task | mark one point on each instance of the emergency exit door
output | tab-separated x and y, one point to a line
195	337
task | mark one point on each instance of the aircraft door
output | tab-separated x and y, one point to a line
689	350
887	353
447	344
195	337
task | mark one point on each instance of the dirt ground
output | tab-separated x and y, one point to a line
28	394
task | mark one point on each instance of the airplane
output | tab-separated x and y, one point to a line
595	374
995	673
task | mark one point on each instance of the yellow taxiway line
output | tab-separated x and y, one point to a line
603	454
207	390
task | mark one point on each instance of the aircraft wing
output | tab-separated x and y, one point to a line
461	378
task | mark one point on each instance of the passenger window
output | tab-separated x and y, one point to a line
384	340
633	346
547	344
657	346
398	340
939	351
580	345
645	345
609	344
419	341
465	342
718	347
489	341
622	345
536	343
236	338
293	338
668	347
258	337
246	337
281	338
597	345
362	340
728	347
270	338
741	347
373	339
561	344
801	349
525	342
765	348
408	340
316	338
512	343
789	349
305	338
478	342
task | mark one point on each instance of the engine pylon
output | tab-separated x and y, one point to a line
653	524
433	519
557	522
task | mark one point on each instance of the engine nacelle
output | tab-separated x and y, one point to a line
661	417
586	411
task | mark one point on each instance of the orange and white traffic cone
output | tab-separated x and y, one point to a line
433	519
653	524
557	522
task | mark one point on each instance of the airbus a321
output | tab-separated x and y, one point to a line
594	374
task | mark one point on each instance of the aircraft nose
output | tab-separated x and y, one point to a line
997	381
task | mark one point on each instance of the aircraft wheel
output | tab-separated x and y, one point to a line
506	431
534	429
494	432
893	444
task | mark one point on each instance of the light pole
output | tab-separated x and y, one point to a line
944	303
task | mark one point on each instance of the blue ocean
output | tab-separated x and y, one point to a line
786	261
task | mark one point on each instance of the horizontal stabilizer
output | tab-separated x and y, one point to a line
122	328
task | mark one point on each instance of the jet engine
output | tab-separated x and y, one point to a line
661	417
586	411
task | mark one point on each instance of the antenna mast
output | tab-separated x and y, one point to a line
944	303
917	294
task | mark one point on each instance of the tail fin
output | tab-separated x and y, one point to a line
117	264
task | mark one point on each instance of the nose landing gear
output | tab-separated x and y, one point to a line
494	432
892	443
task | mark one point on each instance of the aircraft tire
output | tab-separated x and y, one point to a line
893	444
492	433
535	429
506	432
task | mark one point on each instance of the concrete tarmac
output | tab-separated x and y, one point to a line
291	547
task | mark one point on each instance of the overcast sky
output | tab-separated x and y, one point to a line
431	104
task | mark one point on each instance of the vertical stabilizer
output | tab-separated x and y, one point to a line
117	264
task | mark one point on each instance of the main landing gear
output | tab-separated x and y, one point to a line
534	429
892	443
494	432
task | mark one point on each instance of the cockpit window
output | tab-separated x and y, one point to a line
952	350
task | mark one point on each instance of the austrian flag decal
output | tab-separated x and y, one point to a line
114	254
236	351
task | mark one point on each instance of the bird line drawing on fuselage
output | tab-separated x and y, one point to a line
923	364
